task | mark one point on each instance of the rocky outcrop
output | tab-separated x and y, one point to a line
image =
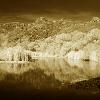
75	45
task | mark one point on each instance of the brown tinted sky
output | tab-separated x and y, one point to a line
49	5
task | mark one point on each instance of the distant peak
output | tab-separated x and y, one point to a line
95	19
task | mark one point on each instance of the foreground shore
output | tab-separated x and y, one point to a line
80	90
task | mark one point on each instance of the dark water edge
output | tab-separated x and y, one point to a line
81	90
45	95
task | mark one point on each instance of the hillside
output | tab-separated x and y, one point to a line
41	27
51	37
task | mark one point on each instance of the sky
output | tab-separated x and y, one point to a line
46	6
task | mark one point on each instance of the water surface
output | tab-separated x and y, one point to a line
45	74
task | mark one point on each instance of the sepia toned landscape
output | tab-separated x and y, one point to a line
50	50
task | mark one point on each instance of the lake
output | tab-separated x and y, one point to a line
44	74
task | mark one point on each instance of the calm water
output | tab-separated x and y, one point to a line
44	75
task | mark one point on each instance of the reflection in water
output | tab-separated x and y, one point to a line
49	72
